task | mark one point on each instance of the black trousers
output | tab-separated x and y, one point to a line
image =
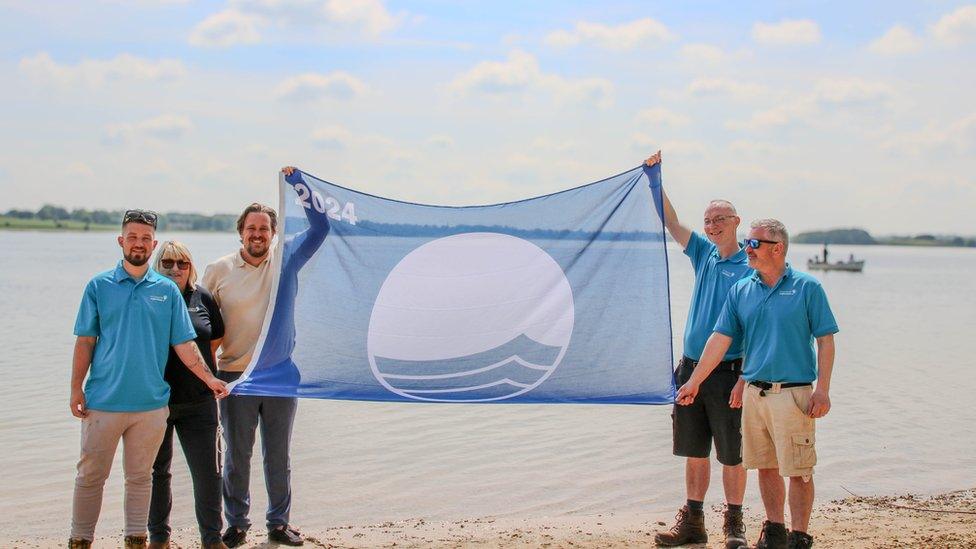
196	425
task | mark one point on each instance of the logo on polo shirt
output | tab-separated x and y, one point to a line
160	298
787	292
729	274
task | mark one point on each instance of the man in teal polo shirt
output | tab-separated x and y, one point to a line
779	313
128	319
718	262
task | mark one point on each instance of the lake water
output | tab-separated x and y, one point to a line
903	412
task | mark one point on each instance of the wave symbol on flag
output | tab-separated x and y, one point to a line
473	317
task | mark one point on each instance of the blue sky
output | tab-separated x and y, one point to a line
822	114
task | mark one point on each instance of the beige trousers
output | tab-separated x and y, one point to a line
141	434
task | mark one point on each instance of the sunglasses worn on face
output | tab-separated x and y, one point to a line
754	243
168	264
147	217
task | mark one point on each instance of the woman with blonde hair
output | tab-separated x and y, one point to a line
192	409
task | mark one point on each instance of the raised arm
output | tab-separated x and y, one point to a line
679	232
318	224
80	362
820	399
189	353
716	347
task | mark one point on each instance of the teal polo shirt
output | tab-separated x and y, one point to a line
778	326
136	322
714	277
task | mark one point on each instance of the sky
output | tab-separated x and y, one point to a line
821	114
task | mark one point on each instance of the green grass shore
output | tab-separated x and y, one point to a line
15	224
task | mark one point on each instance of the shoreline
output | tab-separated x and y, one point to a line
943	520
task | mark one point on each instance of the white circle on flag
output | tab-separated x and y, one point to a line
472	317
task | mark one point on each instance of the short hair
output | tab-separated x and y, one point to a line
177	250
722	203
255	207
775	228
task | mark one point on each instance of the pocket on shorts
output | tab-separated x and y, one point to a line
804	451
801	397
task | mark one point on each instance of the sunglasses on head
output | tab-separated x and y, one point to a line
180	263
147	217
755	243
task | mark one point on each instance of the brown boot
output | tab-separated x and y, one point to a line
689	527
135	542
800	540
215	545
78	543
773	536
159	544
735	531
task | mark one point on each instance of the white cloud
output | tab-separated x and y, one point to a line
369	15
167	127
787	31
663	117
243	21
313	87
724	86
521	73
843	96
896	41
703	52
96	73
625	36
332	137
227	28
956	27
673	147
958	136
852	92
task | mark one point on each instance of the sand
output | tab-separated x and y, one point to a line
949	520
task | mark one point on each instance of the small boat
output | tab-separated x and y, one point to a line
817	263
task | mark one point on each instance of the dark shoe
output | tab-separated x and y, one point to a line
773	536
159	544
286	535
76	543
214	545
234	536
134	542
689	527
735	531
800	540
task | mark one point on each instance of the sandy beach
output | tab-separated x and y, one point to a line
941	521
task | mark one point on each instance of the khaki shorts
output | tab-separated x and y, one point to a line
777	433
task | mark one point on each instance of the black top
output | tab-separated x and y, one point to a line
185	386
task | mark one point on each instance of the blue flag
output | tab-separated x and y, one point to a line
560	298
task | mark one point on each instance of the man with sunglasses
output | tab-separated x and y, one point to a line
129	318
719	263
779	314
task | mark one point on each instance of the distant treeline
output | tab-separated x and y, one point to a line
172	221
411	230
860	236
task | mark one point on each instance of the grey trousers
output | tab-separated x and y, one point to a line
241	415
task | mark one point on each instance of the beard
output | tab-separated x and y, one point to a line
257	249
136	259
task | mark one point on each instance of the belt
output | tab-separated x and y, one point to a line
734	365
775	387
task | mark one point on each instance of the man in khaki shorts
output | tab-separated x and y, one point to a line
778	313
